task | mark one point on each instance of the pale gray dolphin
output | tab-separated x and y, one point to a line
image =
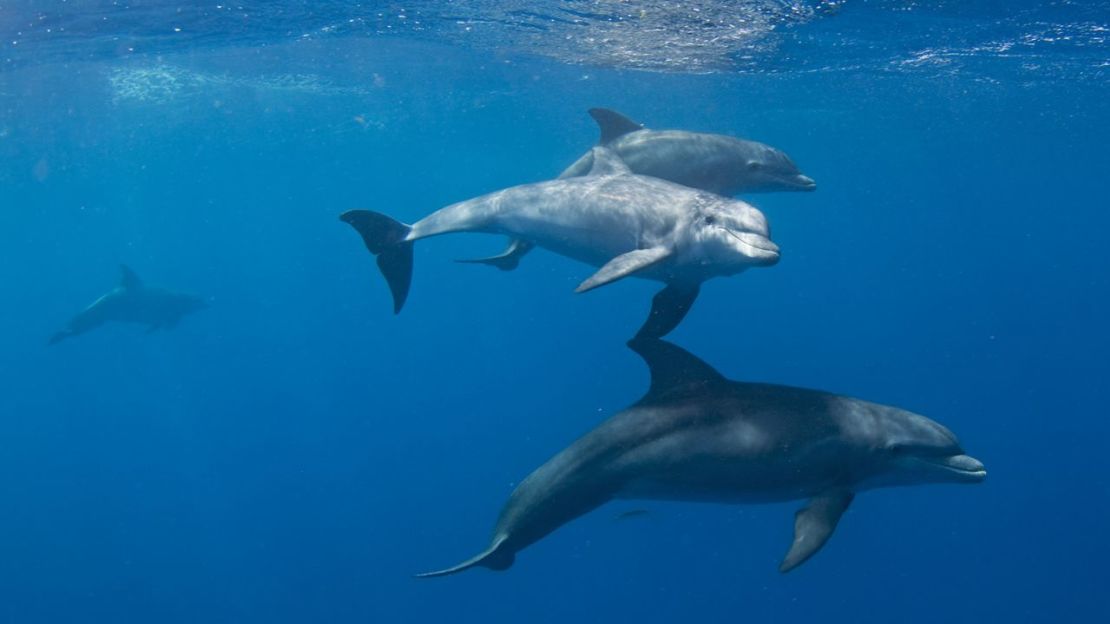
627	224
133	302
711	162
698	436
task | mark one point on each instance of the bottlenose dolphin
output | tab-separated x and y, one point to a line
699	436
711	162
132	302
716	163
627	224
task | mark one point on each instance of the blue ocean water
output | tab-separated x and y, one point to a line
296	452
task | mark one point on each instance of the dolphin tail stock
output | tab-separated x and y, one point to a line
668	308
494	558
385	238
506	260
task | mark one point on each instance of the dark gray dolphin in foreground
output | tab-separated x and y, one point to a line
627	224
132	302
711	162
698	436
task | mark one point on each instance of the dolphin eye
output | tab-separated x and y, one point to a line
753	165
899	449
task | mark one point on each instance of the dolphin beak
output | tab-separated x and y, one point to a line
963	468
757	247
805	183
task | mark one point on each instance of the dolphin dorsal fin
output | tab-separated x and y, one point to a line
606	162
128	278
612	124
673	369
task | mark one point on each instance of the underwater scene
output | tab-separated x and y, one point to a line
560	311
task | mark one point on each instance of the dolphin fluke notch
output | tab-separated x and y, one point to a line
385	238
612	124
494	558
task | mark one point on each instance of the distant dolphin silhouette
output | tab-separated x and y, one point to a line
627	224
132	302
699	436
712	162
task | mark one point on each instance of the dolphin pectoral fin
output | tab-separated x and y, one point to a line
128	278
668	308
493	558
813	525
624	265
612	124
506	260
385	238
60	336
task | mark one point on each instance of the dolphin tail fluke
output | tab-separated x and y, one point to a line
494	558
668	308
506	260
385	238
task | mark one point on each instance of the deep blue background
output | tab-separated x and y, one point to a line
296	452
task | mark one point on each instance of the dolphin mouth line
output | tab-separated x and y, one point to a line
770	247
963	465
805	183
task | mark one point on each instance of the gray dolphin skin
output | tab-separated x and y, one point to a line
697	436
132	302
716	163
627	224
711	162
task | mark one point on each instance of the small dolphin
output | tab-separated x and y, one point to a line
711	162
132	302
699	436
627	224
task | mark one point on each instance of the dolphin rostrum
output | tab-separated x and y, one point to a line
627	224
699	436
133	302
711	162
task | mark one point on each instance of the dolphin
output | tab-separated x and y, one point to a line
698	436
711	162
132	302
627	224
716	163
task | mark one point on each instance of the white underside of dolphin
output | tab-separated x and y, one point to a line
623	223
